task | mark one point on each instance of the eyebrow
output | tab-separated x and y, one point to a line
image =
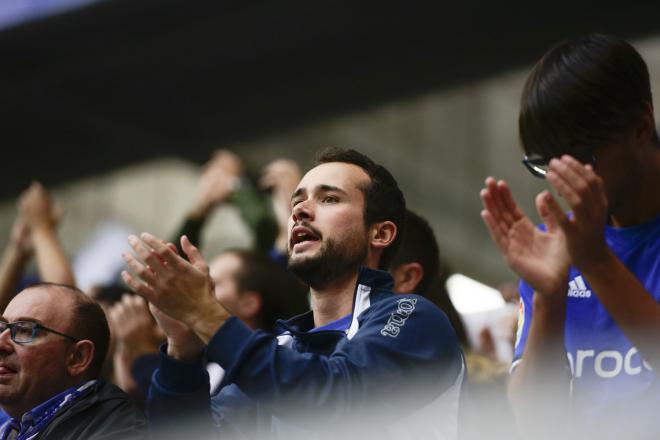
322	187
36	321
297	192
332	188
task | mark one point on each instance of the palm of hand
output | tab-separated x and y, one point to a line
539	257
178	333
215	185
172	327
187	293
20	234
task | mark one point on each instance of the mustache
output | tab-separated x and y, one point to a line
306	224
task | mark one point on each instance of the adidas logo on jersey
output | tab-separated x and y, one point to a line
577	288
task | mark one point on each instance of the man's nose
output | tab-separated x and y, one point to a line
6	344
302	211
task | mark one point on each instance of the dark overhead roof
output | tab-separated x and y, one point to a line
126	80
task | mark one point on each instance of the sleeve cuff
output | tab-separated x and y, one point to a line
228	343
180	377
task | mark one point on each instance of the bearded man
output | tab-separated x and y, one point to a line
363	361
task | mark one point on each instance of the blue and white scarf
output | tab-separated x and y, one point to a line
35	420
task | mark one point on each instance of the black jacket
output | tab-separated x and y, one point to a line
105	414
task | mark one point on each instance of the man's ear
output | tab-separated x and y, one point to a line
382	234
644	129
407	277
81	357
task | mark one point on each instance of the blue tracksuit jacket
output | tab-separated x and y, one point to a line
398	358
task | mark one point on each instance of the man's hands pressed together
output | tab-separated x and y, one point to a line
180	289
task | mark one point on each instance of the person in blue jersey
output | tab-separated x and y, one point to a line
53	340
589	324
363	361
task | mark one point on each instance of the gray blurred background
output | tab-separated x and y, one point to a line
115	104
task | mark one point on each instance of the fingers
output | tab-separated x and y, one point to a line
153	309
492	214
507	199
582	188
193	254
125	313
497	200
127	307
114	314
497	233
578	184
487	197
226	160
155	264
550	212
268	176
57	212
566	181
161	253
138	286
173	248
145	272
37	186
134	303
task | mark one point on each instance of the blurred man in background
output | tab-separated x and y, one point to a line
417	268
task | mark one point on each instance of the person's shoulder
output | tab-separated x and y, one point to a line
113	401
106	412
412	310
109	391
412	301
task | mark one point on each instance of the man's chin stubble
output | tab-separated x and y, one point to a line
326	266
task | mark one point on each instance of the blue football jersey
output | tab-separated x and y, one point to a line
607	370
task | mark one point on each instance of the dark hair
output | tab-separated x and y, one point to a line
581	94
418	244
383	198
438	295
282	294
87	322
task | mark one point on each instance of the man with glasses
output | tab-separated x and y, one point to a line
589	325
53	340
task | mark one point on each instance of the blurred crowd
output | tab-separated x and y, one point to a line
254	284
164	360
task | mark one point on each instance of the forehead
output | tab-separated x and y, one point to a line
47	305
345	176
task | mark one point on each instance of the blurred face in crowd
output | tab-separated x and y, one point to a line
620	165
223	270
327	234
33	372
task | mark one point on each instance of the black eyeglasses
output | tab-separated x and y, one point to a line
23	332
539	167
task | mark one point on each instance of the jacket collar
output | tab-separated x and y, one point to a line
372	285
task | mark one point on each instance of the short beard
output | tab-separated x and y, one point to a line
329	264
